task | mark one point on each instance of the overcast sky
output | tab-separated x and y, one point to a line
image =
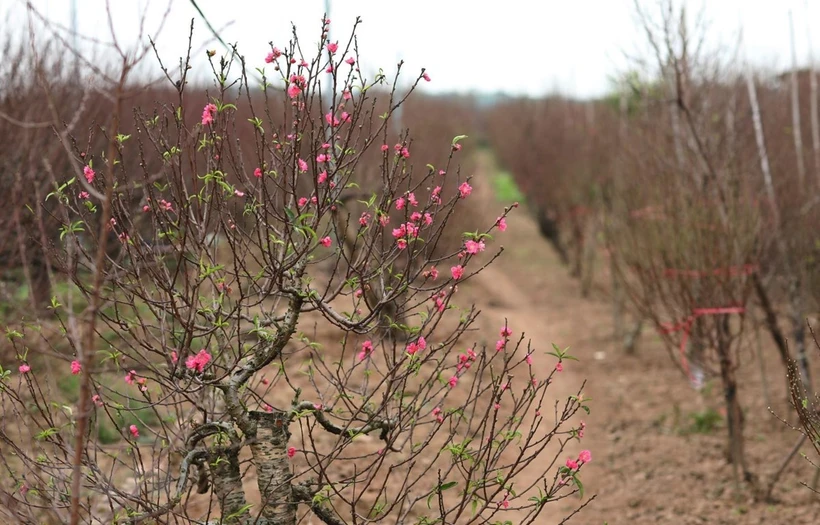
515	46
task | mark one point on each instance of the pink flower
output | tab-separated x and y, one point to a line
499	345
384	220
76	367
401	244
326	242
346	94
303	167
291	452
273	55
405	153
197	362
385	147
239	193
257	173
474	247
432	273
83	195
572	465
294	90
364	219
506	331
174	356
322	177
505	503
501	222
559	367
208	113
529	359
437	415
581	430
97	401
332	47
130	377
400	203
465	190
436	195
457	271
367	348
585	456
89	174
302	202
134	431
428	219
456	147
411	198
24	368
350	61
426	77
453	381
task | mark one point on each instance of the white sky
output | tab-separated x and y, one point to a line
514	46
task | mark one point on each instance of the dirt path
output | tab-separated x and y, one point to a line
529	289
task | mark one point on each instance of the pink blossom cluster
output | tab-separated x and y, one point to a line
585	456
439	300
417	345
198	361
367	349
208	114
505	333
132	378
466	359
404	233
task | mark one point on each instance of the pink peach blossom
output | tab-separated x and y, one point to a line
197	362
89	174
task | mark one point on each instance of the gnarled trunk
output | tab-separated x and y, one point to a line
269	449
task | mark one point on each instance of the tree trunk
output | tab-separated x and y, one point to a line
269	449
228	486
734	413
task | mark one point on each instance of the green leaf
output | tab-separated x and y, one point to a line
579	485
458	138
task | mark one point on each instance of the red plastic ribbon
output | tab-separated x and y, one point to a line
686	327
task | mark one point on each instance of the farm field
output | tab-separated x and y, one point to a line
310	279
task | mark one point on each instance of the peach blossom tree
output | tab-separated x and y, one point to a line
228	357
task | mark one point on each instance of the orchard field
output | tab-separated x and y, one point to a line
302	293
